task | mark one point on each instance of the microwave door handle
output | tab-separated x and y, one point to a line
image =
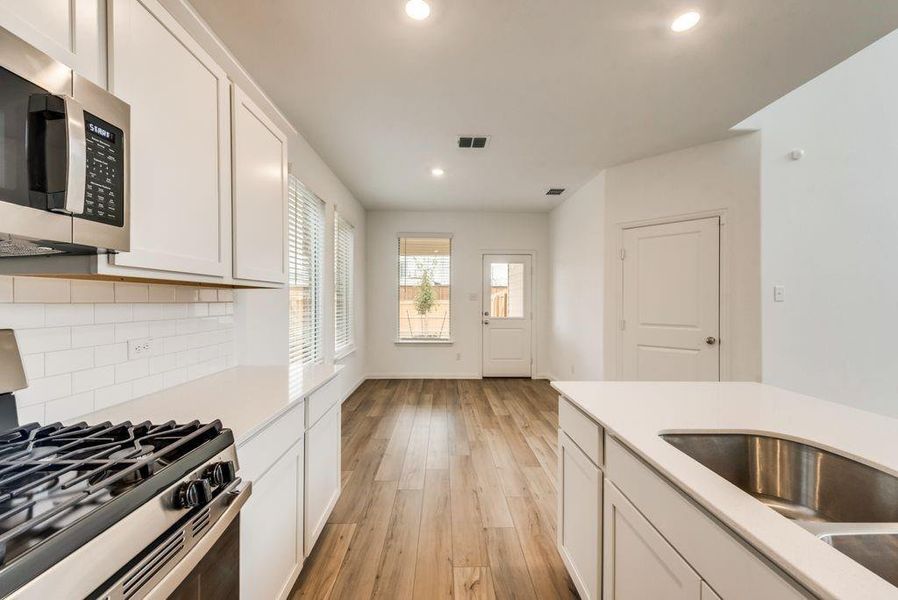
76	160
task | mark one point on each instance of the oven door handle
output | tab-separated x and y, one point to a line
76	159
179	573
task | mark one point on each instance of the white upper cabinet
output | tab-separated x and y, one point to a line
71	31
180	143
260	194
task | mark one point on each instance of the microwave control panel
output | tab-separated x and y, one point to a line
104	191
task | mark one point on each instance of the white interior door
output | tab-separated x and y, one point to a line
671	302
507	315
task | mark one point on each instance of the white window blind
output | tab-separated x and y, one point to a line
344	239
424	287
306	240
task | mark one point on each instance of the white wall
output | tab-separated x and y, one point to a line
830	233
473	232
717	176
577	240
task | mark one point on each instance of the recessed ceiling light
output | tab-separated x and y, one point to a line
417	9
685	22
437	172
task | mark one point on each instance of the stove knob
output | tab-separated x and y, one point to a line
222	473
194	493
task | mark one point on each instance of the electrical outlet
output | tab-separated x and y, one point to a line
572	369
458	356
779	293
140	348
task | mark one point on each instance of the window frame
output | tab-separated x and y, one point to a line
450	340
347	348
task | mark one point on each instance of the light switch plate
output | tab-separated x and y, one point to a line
779	293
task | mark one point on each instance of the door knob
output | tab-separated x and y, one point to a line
710	340
485	322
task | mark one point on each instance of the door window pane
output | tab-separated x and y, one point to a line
507	290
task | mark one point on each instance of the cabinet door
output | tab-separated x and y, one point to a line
322	473
71	31
180	143
260	194
639	563
580	517
271	530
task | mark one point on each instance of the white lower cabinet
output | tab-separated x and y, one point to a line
626	533
322	473
638	562
580	517
271	536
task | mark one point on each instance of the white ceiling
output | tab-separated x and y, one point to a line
565	87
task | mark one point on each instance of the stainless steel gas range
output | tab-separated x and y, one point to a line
117	511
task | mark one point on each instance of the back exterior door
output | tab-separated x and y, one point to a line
507	315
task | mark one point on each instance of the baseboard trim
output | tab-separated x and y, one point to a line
424	376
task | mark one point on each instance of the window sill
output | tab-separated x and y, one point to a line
424	342
344	352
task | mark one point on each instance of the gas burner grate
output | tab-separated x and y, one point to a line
54	476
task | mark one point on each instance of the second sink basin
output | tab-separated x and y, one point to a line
797	480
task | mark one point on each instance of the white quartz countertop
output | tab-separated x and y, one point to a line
637	412
244	399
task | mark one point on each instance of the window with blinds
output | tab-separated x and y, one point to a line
424	287
306	254
344	239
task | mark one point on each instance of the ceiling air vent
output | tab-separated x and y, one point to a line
555	191
473	142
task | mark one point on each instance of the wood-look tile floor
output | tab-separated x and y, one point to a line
448	492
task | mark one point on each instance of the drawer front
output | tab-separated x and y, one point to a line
585	432
730	568
320	401
260	452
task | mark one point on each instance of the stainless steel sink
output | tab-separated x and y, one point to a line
847	504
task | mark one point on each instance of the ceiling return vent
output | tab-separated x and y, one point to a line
555	191
473	142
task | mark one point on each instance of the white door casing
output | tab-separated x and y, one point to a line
671	302
507	315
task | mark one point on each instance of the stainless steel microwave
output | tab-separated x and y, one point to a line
63	158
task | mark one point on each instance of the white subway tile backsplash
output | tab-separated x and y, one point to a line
6	289
162	293
186	294
93	292
34	366
92	335
41	391
132	292
74	340
114	394
69	314
47	339
31	414
93	379
131	331
67	408
113	313
132	370
40	289
161	364
66	361
147	385
22	316
110	354
174	311
148	312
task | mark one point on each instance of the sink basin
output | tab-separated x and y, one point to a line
797	480
849	505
